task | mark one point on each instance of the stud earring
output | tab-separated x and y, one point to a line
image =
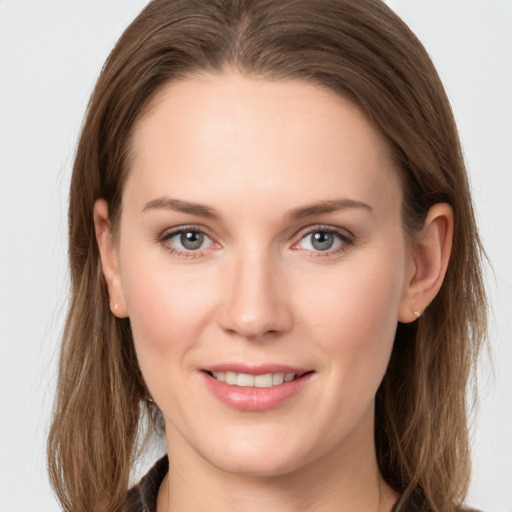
116	307
417	314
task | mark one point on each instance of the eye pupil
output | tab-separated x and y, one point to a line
322	240
191	240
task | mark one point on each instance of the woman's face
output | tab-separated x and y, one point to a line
261	241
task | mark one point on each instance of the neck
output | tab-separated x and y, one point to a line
344	479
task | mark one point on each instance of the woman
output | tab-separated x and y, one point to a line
273	247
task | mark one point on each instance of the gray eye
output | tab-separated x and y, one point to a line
322	240
191	240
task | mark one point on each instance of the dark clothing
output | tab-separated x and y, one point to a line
142	497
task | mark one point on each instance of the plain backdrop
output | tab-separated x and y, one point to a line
50	55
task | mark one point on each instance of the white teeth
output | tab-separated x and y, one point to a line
245	379
263	381
259	381
277	378
230	378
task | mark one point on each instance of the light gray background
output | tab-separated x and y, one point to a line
50	55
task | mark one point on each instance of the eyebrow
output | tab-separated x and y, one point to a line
328	207
167	203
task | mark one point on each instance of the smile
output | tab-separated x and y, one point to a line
266	380
262	389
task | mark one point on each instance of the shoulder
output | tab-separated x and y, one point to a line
142	497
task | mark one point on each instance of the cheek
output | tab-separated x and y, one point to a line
355	314
168	307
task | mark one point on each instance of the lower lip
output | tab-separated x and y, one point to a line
256	399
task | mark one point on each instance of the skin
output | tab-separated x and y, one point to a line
259	291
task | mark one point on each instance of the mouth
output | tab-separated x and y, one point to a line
256	388
265	380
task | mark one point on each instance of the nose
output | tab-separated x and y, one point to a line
255	304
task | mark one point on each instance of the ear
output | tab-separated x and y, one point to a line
109	260
429	260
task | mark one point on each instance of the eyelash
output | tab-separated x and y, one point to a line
345	238
185	253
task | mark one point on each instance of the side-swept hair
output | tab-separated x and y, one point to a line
364	52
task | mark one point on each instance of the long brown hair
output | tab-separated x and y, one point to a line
364	52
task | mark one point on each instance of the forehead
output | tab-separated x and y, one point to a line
274	137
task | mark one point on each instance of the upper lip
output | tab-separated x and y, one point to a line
260	369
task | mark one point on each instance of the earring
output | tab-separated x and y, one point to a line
417	314
116	307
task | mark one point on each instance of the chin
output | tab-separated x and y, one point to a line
260	467
252	457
